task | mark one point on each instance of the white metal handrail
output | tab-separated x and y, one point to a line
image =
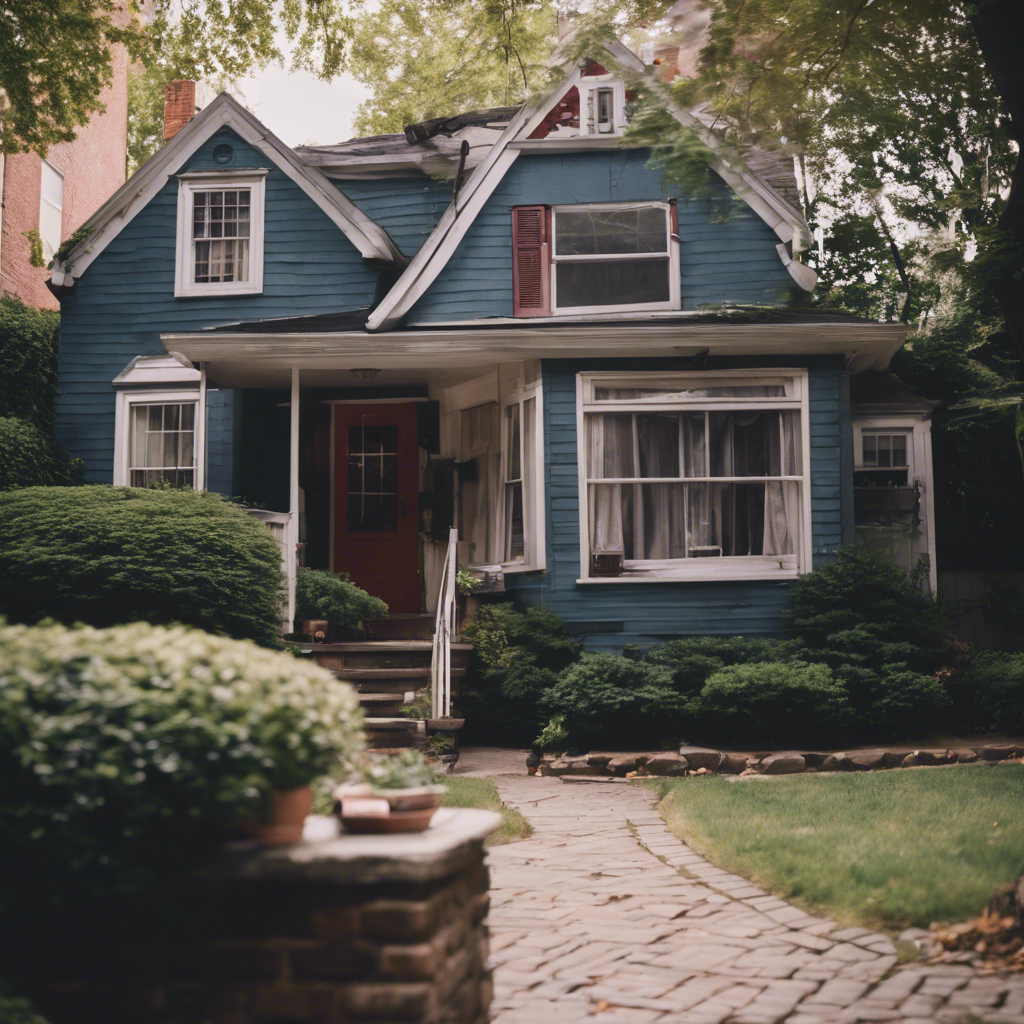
444	630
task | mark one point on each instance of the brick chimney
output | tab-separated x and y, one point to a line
179	106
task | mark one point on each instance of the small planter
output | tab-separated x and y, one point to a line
286	816
383	811
416	798
445	724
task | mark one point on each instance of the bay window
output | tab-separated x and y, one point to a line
694	476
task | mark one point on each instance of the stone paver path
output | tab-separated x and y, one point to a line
604	916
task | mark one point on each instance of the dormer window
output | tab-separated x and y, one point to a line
605	110
220	234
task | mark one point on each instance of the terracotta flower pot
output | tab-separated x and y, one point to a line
286	816
418	798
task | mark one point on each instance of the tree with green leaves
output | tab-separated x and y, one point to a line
429	58
56	55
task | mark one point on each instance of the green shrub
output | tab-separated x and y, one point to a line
863	590
30	458
124	751
615	702
989	696
774	704
517	656
324	595
28	362
107	555
693	659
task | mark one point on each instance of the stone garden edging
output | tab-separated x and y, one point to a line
690	761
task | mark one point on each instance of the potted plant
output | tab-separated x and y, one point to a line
468	604
405	792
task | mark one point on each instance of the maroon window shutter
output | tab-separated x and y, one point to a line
531	261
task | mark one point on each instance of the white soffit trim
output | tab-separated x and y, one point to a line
784	219
109	220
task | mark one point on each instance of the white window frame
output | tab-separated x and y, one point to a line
534	506
589	90
740	567
126	403
674	281
206	181
49	247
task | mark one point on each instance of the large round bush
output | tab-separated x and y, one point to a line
618	703
30	458
862	590
124	751
108	555
775	704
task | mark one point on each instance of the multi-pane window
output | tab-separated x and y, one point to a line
372	479
220	235
161	446
520	509
51	208
686	475
613	256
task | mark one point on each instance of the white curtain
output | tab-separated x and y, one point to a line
782	499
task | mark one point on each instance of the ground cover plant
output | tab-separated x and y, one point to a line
483	793
107	555
879	849
125	752
334	597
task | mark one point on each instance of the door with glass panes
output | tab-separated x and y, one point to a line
375	501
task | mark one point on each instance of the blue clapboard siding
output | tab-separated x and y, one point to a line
608	616
733	261
407	208
125	300
223	441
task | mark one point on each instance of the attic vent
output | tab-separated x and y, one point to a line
531	268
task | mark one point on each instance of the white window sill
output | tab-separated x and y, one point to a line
198	293
518	567
694	577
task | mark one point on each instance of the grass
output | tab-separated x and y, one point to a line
483	793
880	849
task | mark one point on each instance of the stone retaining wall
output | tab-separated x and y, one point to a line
707	761
349	928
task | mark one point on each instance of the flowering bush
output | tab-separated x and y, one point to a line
404	770
124	751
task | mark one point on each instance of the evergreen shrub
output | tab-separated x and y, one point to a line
517	655
108	555
30	458
610	701
28	362
334	597
774	704
125	751
693	659
989	695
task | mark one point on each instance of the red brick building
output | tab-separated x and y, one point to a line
55	196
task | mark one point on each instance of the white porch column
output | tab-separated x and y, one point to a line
293	496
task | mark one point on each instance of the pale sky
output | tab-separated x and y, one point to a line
299	108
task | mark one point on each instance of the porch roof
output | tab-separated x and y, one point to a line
247	357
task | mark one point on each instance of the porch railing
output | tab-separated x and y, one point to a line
280	526
444	630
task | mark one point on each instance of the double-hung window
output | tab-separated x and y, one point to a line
599	258
220	234
522	533
695	476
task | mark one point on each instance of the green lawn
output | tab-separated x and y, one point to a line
880	849
484	793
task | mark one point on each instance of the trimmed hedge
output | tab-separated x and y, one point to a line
989	696
108	555
124	753
775	704
30	458
324	595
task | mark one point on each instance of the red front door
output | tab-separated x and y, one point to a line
376	487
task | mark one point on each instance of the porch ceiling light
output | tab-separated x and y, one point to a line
365	373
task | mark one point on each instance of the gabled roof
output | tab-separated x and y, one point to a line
785	219
106	223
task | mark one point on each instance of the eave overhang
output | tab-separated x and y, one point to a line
241	359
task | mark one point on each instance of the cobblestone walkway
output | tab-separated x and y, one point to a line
604	916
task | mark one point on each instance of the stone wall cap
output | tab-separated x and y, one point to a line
327	854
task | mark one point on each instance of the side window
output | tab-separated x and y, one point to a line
522	505
161	444
51	209
220	236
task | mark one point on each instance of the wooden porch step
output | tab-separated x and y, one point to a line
400	627
390	724
382	698
345	646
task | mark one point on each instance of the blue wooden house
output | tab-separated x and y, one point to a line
503	322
